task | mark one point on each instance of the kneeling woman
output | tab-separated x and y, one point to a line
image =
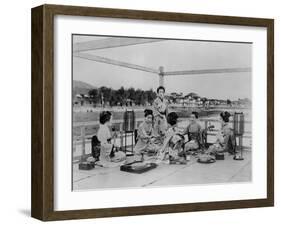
193	131
145	136
225	140
173	143
107	156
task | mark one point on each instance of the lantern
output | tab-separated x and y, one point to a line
238	123
129	121
129	129
238	127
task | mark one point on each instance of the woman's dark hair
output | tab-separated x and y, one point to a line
172	118
148	112
225	116
160	87
105	116
195	113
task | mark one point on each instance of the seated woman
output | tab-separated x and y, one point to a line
145	136
107	155
193	131
225	140
173	142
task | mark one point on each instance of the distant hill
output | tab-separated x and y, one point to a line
192	95
81	87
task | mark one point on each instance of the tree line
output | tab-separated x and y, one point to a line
121	96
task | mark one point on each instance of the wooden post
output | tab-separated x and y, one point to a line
206	128
121	135
120	127
161	76
241	144
83	144
73	147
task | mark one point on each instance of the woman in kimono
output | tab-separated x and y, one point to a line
160	108
225	140
145	136
108	157
193	131
173	143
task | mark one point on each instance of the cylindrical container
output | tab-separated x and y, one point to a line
129	121
238	123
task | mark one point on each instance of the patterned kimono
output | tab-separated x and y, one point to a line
193	131
160	109
144	142
172	145
225	140
104	136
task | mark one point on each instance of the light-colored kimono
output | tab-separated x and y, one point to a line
169	146
160	110
222	139
144	143
104	136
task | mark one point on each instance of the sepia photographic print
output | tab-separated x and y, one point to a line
150	112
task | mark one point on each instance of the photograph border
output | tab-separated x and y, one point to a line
42	168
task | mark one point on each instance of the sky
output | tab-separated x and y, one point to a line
173	55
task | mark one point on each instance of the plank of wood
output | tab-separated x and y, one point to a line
110	43
100	59
208	71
